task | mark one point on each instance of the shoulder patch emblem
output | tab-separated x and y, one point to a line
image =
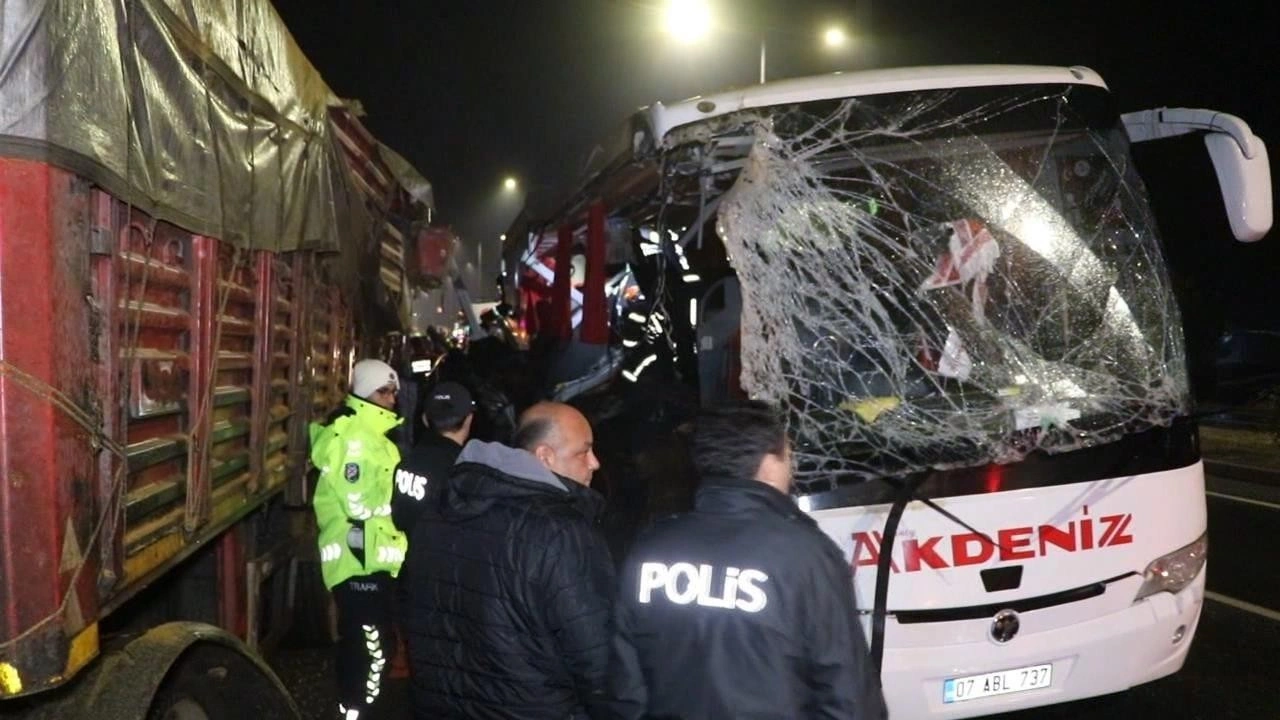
351	472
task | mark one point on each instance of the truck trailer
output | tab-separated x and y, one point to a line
197	238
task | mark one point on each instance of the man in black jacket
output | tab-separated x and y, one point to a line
509	584
448	414
743	607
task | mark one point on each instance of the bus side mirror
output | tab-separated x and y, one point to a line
1245	184
1239	159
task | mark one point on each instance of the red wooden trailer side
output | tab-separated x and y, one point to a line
179	296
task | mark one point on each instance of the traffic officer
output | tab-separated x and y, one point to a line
448	415
742	607
360	547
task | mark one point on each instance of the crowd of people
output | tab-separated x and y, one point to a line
487	558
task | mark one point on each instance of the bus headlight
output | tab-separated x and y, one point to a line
1173	572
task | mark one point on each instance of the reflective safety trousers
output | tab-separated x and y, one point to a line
357	464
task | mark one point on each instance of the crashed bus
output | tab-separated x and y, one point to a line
951	279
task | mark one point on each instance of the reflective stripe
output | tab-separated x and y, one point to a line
373	642
330	552
390	555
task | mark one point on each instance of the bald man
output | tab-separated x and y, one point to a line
561	438
508	582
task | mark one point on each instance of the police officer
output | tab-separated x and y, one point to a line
743	607
360	547
448	416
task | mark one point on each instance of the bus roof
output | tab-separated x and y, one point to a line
664	118
650	126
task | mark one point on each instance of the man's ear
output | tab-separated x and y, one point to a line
545	454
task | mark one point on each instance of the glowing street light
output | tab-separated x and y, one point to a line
510	184
688	20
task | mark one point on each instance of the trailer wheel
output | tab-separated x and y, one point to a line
211	681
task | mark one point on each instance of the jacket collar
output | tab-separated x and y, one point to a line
587	501
734	496
509	461
491	471
376	417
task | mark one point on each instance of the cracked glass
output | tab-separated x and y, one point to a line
942	278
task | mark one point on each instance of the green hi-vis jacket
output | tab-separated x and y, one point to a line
357	464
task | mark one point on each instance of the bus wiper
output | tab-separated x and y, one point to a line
906	492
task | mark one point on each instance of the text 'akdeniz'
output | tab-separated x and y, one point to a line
684	583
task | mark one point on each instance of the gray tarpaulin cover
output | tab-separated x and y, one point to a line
203	112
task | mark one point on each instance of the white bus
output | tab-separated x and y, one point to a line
952	279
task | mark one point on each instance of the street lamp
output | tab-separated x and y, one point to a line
510	184
688	20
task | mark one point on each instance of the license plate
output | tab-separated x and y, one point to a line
973	687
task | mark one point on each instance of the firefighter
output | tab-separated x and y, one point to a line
360	548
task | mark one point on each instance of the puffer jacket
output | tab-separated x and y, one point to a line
508	589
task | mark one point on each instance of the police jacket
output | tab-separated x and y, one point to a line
742	608
422	471
508	589
356	461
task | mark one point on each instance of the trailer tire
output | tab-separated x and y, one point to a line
176	671
213	681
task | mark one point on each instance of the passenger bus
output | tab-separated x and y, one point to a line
952	280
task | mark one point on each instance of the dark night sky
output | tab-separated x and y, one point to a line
472	90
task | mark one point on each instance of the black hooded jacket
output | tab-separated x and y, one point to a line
742	608
509	588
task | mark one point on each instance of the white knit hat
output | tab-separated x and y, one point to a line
369	375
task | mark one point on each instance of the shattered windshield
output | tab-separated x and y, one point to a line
947	278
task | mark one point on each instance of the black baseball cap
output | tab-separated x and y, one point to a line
448	401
